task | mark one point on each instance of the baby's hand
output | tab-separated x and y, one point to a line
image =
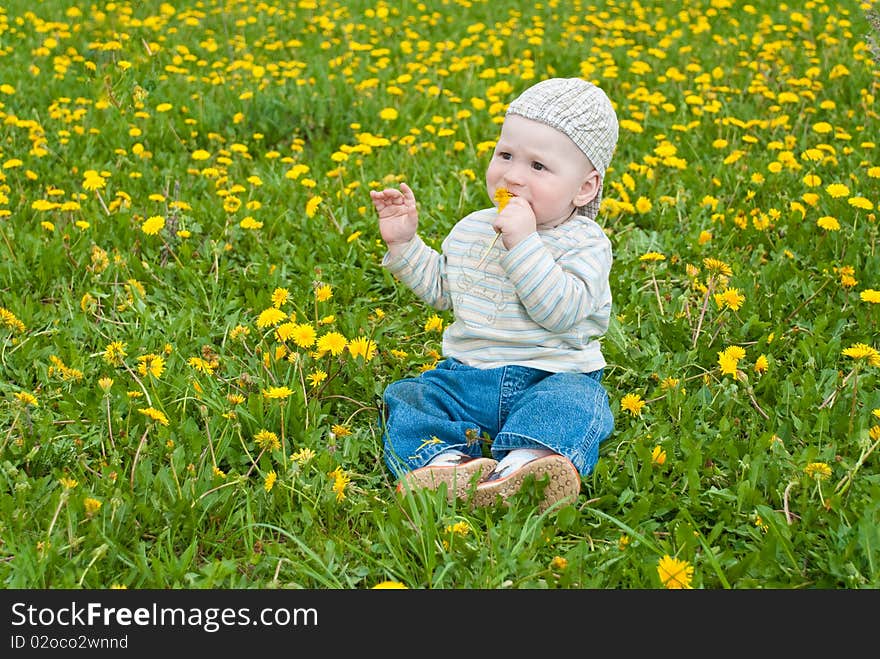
515	222
398	216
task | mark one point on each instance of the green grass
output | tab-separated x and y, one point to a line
757	478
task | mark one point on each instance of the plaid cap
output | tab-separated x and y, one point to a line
580	110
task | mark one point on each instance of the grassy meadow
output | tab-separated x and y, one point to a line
195	328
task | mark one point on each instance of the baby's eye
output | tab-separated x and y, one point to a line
538	166
504	155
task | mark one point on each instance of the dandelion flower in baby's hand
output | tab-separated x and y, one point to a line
502	196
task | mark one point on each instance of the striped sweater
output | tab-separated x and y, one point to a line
544	304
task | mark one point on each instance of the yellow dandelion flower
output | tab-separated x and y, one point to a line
389	585
340	430
818	470
761	364
633	404
93	180
202	365
323	292
239	332
837	190
67	483
44	205
828	223
302	456
200	154
277	392
267	440
861	202
847	280
861	351
658	456
669	383
332	342
270	317
231	204
91	505
810	198
558	563
717	267
9	319
643	205
269	481
388	114
728	363
340	482
284	331
316	377
502	196
114	353
88	303
870	295
304	335
652	256
296	171
675	574
812	180
312	205
154	414
280	296
26	398
153	225
363	347
250	223
434	324
151	365
730	298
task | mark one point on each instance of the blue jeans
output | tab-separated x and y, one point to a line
452	405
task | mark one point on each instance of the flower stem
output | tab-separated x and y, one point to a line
491	245
702	313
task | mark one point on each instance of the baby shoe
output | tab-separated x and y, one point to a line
458	471
564	482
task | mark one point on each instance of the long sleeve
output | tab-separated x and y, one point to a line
559	294
423	270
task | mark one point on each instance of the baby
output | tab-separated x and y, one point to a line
522	362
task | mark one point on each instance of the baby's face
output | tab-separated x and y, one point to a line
544	167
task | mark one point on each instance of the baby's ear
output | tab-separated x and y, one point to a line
588	190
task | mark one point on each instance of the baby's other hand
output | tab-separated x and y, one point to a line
398	215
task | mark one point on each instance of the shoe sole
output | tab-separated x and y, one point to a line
564	483
458	479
